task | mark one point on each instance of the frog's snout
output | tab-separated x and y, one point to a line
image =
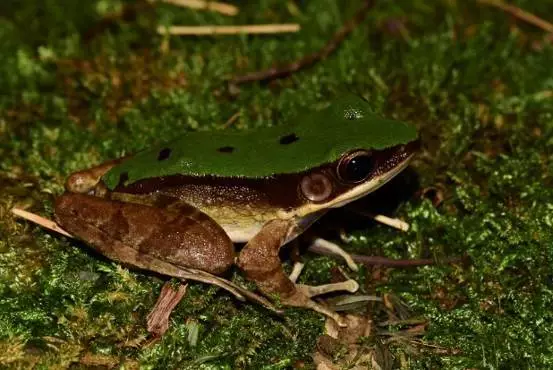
412	147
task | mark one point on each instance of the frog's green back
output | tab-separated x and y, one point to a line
312	139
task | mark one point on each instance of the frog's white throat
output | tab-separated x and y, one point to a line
349	196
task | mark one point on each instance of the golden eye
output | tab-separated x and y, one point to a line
355	167
316	187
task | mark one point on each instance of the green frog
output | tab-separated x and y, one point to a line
185	203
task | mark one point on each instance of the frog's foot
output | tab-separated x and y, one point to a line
350	286
312	291
301	299
259	260
304	293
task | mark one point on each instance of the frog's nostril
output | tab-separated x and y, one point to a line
411	147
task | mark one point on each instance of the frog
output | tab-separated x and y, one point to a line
189	202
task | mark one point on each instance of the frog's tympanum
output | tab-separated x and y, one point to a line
185	203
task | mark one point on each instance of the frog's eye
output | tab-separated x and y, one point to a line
316	187
355	167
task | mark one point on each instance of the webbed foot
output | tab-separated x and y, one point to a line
303	295
259	260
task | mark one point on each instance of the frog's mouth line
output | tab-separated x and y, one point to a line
369	187
352	195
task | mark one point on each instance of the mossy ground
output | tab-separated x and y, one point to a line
477	83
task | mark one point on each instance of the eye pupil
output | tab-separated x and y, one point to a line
357	168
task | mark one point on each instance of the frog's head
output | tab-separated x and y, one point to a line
355	174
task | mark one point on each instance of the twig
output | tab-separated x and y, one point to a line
215	6
390	262
41	221
232	119
383	261
157	321
520	14
309	60
228	30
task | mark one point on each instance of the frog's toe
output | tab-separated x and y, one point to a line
302	299
320	244
296	271
312	291
303	294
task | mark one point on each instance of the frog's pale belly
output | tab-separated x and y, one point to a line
242	226
241	234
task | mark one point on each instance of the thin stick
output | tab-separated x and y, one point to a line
215	6
157	321
232	119
41	221
520	14
382	261
309	60
229	30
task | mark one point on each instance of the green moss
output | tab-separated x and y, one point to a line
477	83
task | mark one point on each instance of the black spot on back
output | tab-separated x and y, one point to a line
226	149
289	139
164	154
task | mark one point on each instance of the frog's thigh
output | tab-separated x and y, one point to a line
186	237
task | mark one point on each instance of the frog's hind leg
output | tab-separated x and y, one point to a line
185	236
260	261
183	243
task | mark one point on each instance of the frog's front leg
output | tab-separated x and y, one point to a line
260	261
